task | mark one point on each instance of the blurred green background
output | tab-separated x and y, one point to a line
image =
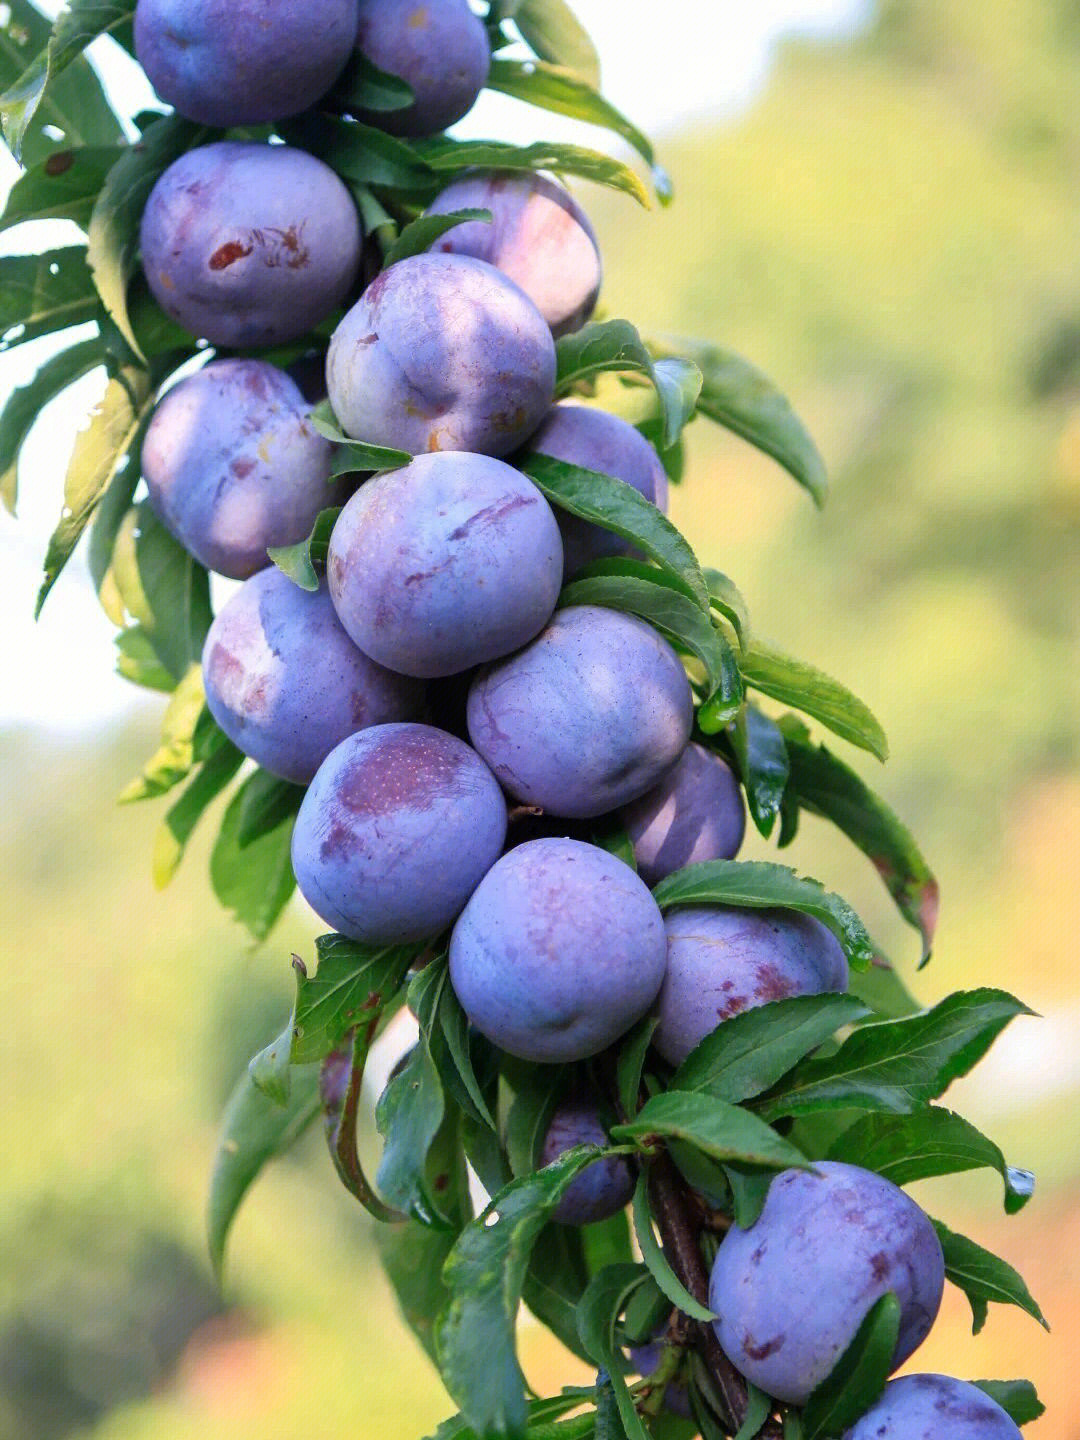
893	234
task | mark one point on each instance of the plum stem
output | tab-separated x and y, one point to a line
673	1214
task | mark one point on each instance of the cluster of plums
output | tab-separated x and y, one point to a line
440	603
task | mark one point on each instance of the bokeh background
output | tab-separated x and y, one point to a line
883	212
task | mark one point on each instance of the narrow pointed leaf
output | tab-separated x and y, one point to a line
421	234
719	1130
656	1260
555	33
26	403
858	1377
984	1277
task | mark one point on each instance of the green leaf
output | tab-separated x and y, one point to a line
858	1377
606	1242
762	758
758	1408
176	829
899	1065
749	1191
74	103
656	1260
642	590
737	396
727	598
298	561
748	1053
983	1277
26	403
253	882
633	1048
719	1130
79	23
555	1282
456	1059
537	1091
881	988
101	451
413	1256
615	345
555	33
172	761
422	233
606	1297
137	661
796	683
354	454
905	1148
40	294
484	1274
341	1084
758	884
562	90
617	506
363	86
408	1115
162	587
361	154
253	1132
443	154
539	1413
351	985
1018	1398
827	787
267	803
113	233
63	186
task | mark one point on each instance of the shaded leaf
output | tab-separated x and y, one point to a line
299	561
161	586
604	1300
253	1131
408	1115
633	1048
363	86
827	787
905	1148
40	294
555	33
762	758
748	1053
719	1130
604	346
759	884
25	403
656	1260
858	1377
253	882
267	803
444	154
422	233
555	1282
354	454
727	598
899	1065
1018	1398
361	154
984	1277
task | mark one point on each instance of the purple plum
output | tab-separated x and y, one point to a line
793	1288
934	1407
450	561
559	952
583	435
233	465
438	47
538	235
603	1188
441	352
585	718
286	683
722	961
695	813
249	244
243	62
396	831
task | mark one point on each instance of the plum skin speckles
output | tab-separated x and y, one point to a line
583	435
934	1407
603	1188
286	684
448	562
438	47
696	813
441	352
585	718
724	960
247	244
233	465
780	1325
559	952
243	62
400	824
538	235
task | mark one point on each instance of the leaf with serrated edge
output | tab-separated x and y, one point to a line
474	1336
758	884
984	1277
905	1148
826	786
750	1052
656	1260
859	1375
719	1130
253	1131
445	154
899	1065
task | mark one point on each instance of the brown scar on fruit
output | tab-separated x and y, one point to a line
762	1352
228	254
